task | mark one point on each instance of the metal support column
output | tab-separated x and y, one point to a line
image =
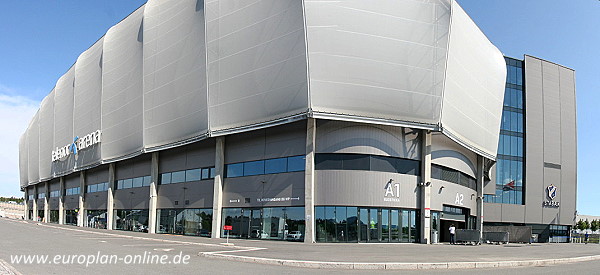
218	187
81	216
61	201
425	184
480	182
46	206
27	216
35	208
153	195
110	197
309	182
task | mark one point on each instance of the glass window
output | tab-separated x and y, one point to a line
192	175
383	164
407	166
296	163
128	183
235	170
120	184
138	182
505	125
212	172
165	178
254	168
93	188
177	177
356	162
513	121
274	166
519	99
328	161
147	180
205	173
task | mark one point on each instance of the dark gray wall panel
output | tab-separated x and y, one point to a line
281	141
357	138
95	201
63	120
285	189
568	194
86	102
46	121
53	203
71	202
198	194
72	181
200	154
54	185
364	188
23	160
96	175
33	144
196	155
132	168
133	198
256	60
285	140
175	107
122	88
534	149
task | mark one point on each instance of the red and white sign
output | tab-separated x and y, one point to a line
227	227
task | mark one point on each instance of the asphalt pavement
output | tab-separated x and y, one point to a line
82	250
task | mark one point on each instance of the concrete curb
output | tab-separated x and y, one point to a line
396	266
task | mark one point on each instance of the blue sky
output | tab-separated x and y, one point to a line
40	40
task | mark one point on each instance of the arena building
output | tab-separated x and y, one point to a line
321	121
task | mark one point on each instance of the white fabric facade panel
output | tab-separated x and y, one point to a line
23	160
176	71
86	102
33	144
448	153
379	59
122	88
175	100
46	121
63	120
256	60
474	87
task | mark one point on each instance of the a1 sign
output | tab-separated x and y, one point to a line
227	227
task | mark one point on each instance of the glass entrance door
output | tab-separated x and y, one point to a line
374	225
255	225
363	225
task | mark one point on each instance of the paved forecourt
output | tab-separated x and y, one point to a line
326	256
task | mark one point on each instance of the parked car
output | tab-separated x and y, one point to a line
295	236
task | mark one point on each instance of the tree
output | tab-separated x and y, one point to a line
594	226
579	225
586	224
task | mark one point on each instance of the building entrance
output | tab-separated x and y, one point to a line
362	224
281	223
